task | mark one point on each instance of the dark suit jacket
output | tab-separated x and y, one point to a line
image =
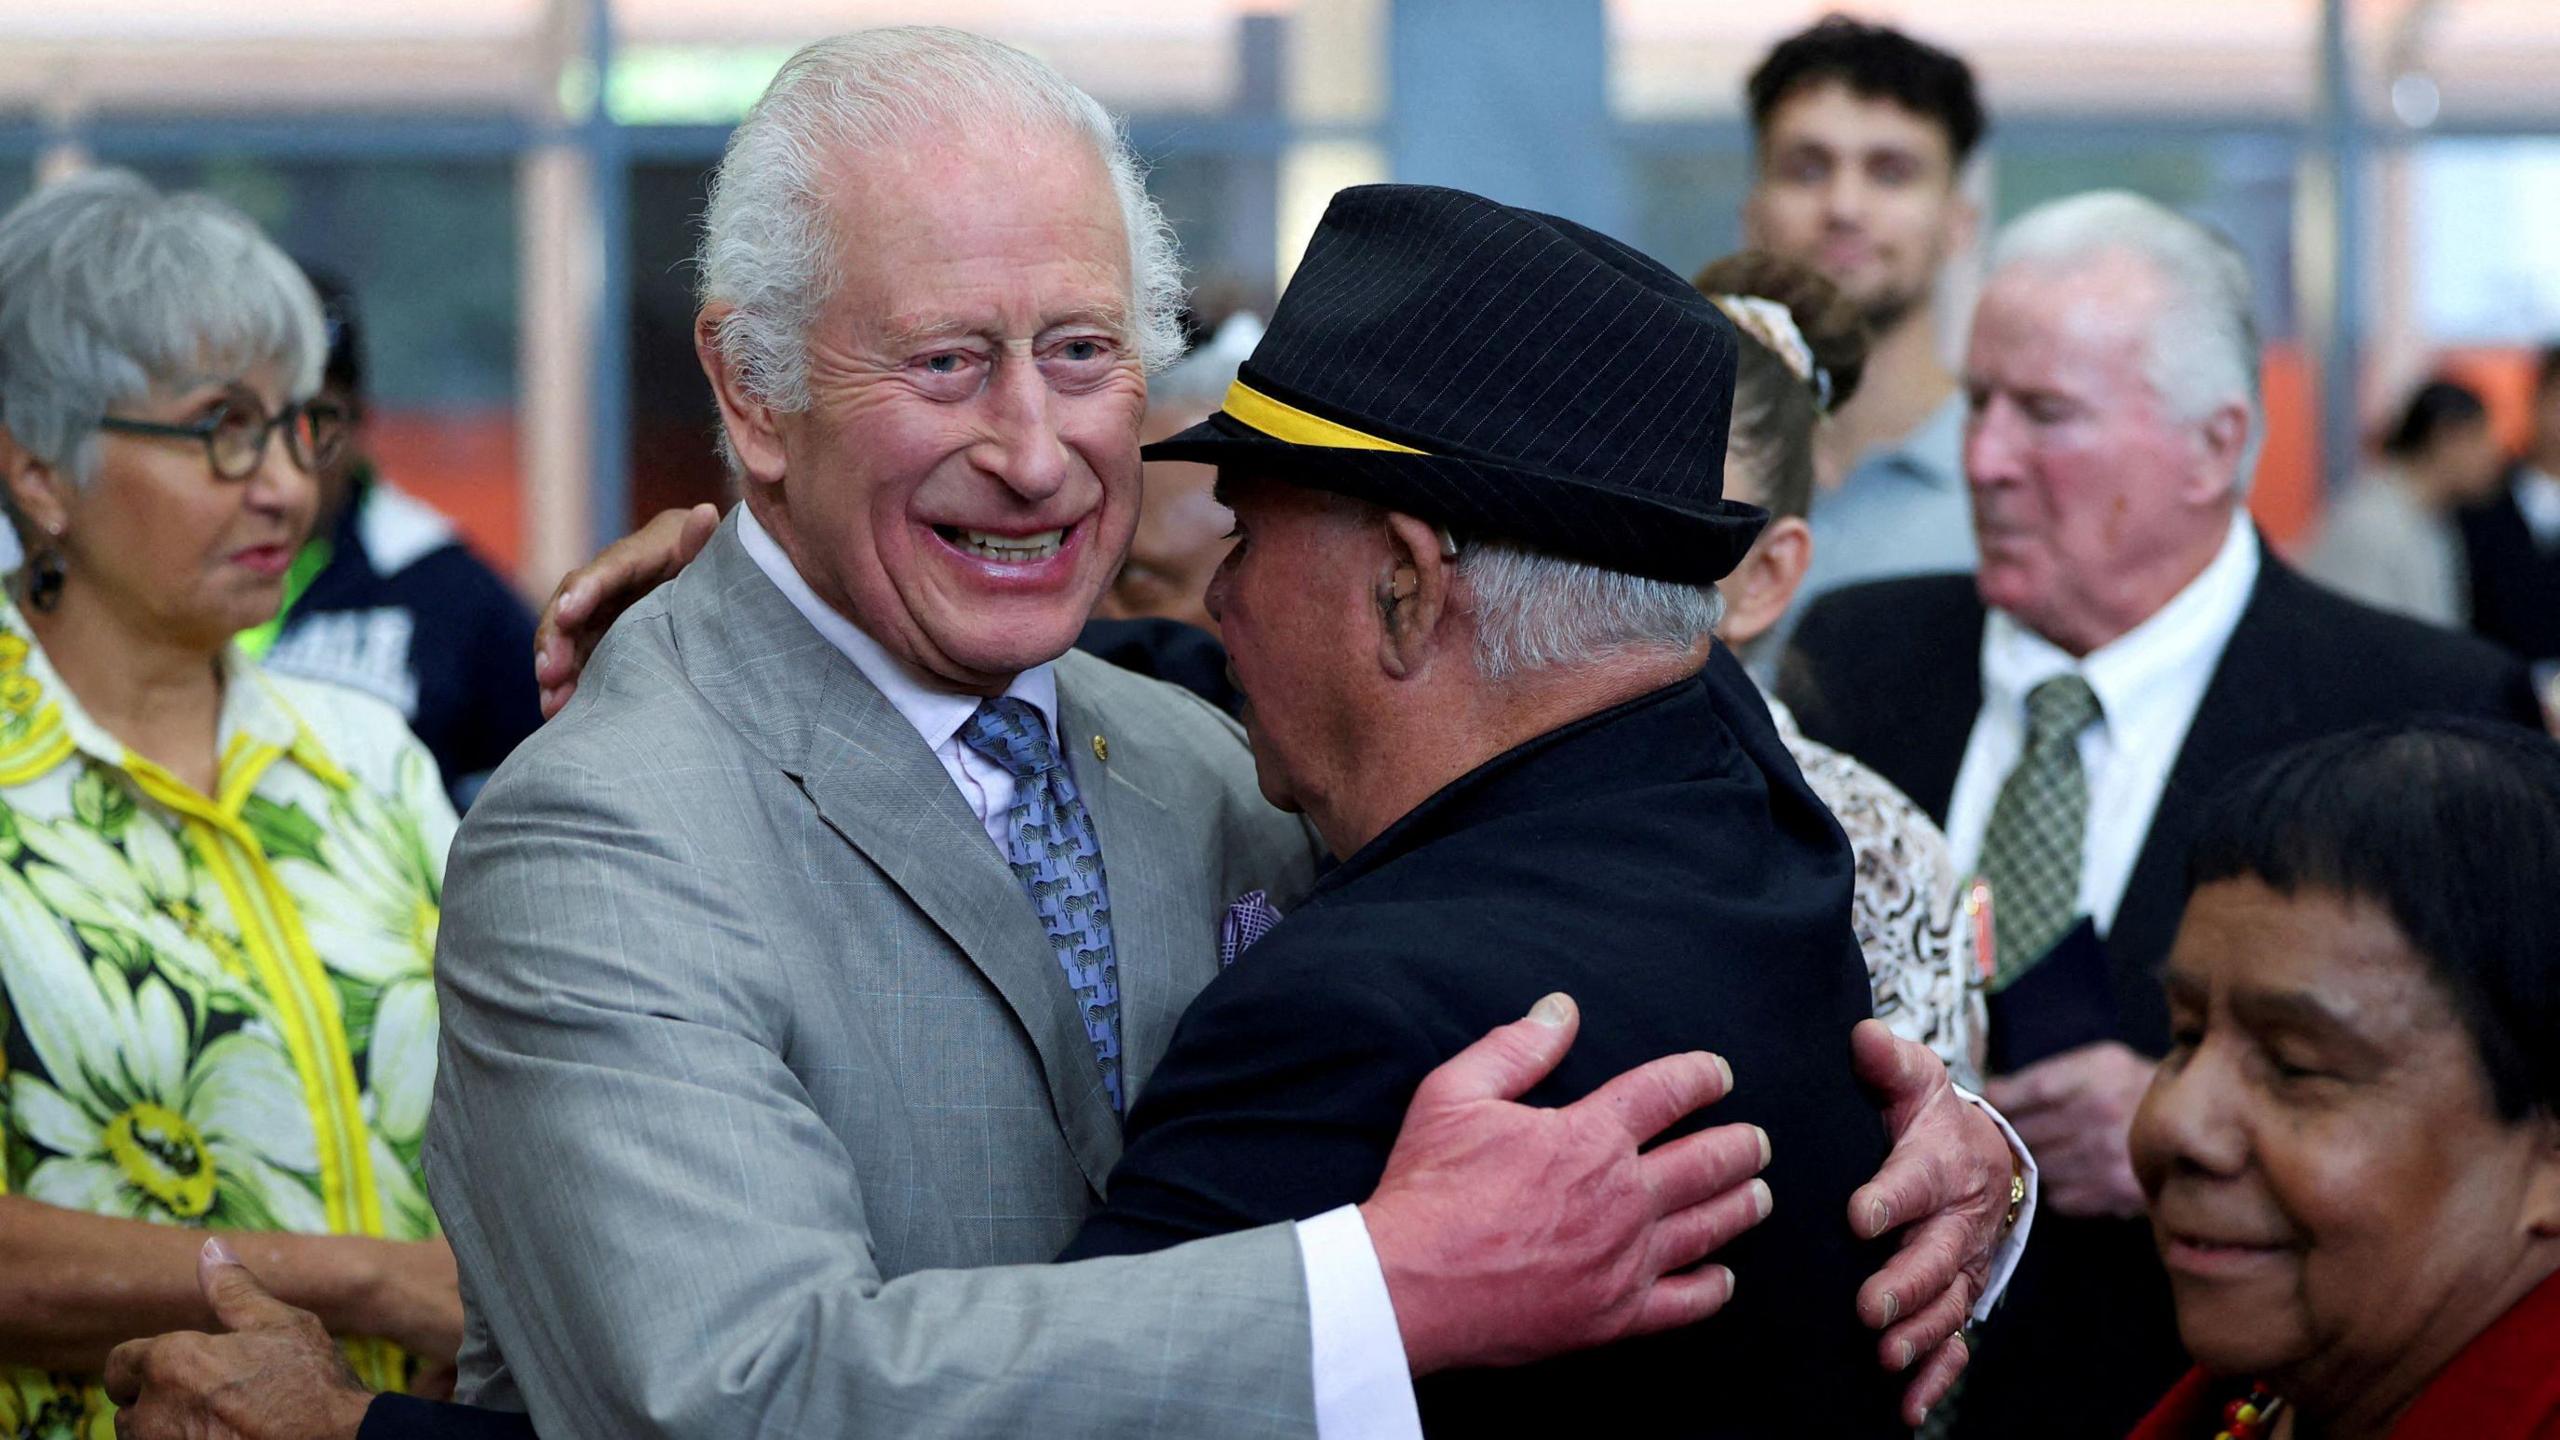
397	1417
1891	674
1665	864
2515	583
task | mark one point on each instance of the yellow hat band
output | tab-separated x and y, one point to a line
1283	421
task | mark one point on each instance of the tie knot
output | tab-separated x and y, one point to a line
2059	709
1010	732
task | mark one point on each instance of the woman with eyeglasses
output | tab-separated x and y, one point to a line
218	888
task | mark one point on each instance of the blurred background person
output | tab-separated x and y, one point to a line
2511	543
1860	137
219	888
2391	540
2352	1151
385	597
1155	617
1183	531
2127	643
1802	342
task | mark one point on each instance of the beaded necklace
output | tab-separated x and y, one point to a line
2251	1417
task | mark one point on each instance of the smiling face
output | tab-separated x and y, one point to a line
165	543
964	480
2093	502
2331	1189
1862	190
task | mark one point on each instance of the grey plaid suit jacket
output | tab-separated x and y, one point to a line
761	1098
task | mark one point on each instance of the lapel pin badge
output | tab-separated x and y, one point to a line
1101	748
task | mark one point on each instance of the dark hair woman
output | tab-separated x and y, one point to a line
2352	1151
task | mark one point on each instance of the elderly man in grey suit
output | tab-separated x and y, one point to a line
790	1007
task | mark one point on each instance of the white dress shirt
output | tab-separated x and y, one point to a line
1363	1387
2148	681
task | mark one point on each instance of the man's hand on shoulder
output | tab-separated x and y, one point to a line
1947	1187
275	1376
1509	1233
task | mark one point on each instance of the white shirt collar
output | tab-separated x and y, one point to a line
2149	668
936	713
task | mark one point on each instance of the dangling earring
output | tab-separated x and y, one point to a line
44	574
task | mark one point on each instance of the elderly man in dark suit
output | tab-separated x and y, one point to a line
1471	591
2127	644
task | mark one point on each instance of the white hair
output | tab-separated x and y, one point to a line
1535	611
111	292
2203	351
767	251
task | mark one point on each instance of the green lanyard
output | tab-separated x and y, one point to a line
308	562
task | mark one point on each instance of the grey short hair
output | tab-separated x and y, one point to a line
766	251
2203	351
111	291
1536	611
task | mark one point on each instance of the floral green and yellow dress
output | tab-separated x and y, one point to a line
217	1010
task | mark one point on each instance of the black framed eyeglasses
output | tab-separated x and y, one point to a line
235	435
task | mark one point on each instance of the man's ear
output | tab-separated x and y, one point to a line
750	424
1762	587
41	496
1413	594
2225	441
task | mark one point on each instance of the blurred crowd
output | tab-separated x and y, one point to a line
1496	615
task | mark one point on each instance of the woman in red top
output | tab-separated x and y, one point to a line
2352	1151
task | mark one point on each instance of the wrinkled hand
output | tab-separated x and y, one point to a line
1510	1233
1946	1184
275	1376
2075	1111
590	598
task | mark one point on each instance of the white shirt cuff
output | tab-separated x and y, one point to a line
1364	1389
2004	1262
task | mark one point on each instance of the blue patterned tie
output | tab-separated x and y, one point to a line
1050	841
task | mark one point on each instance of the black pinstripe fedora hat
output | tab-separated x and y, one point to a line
1507	374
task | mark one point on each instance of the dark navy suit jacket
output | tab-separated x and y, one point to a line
1664	863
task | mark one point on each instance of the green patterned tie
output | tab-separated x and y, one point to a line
2031	853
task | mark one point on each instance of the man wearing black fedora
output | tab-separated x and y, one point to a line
1476	468
828	799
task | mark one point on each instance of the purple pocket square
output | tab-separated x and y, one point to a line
1246	921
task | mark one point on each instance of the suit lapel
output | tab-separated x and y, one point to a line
1155	938
808	707
1941	719
2243	715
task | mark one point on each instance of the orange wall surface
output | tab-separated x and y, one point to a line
463	462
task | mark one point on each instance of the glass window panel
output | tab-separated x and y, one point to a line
1687	204
2242	184
2482	226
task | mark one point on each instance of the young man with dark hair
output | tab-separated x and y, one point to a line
1862	135
386	597
2511	543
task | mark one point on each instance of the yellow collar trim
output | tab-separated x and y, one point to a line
1283	421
